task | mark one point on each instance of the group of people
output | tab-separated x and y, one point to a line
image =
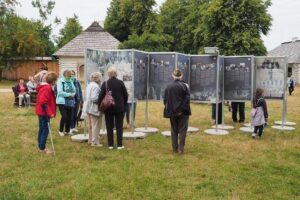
67	95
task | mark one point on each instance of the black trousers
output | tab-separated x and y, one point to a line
114	120
238	106
74	116
179	126
259	130
128	108
213	112
291	90
65	120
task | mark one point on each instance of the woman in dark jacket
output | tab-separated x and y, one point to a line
114	116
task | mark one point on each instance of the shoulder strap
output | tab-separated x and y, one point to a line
63	86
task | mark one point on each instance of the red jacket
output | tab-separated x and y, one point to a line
46	97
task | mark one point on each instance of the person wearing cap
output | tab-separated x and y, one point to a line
177	109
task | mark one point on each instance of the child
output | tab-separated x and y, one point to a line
45	109
259	113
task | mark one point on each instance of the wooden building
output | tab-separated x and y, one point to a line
23	68
71	56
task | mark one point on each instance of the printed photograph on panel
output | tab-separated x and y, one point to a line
270	75
221	78
160	74
203	78
140	75
237	78
122	60
183	65
95	62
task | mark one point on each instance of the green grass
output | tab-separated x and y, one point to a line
5	84
213	167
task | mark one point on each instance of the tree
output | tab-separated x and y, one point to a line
71	29
127	17
235	26
147	42
19	38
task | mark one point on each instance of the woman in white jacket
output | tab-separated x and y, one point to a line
91	108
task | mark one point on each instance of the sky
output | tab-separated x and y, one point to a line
285	13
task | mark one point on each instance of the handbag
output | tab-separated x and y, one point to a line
108	101
70	102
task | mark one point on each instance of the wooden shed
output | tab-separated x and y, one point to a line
71	56
23	68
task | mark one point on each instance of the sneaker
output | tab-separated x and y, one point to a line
45	151
61	134
69	133
110	148
74	130
122	147
253	135
96	145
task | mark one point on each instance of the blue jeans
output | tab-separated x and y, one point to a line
43	132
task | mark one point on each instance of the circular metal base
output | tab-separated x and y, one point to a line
192	129
284	128
247	129
224	127
286	123
215	132
146	130
80	138
166	133
134	135
247	124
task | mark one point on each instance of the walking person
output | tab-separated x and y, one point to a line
78	102
238	106
114	115
259	113
65	99
177	109
22	93
93	114
45	108
291	85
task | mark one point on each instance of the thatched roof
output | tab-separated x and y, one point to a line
93	37
291	50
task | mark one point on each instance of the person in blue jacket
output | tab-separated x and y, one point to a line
78	102
65	99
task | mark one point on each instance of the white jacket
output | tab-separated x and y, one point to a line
91	99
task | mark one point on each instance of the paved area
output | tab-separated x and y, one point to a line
5	90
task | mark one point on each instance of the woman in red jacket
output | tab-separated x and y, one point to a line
45	108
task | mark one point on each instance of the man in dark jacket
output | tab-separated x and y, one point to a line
177	108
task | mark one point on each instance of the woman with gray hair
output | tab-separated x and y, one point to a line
94	115
114	115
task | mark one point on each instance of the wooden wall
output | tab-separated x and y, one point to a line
23	69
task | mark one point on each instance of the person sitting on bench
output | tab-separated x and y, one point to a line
22	93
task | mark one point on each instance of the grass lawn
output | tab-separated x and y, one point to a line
5	84
213	167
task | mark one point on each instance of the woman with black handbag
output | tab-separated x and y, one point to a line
113	106
65	99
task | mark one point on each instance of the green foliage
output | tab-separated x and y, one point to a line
71	29
147	42
127	17
44	9
7	6
235	26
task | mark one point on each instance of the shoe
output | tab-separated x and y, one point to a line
180	151
110	148
69	133
61	134
96	145
128	126
74	130
253	135
122	147
45	151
